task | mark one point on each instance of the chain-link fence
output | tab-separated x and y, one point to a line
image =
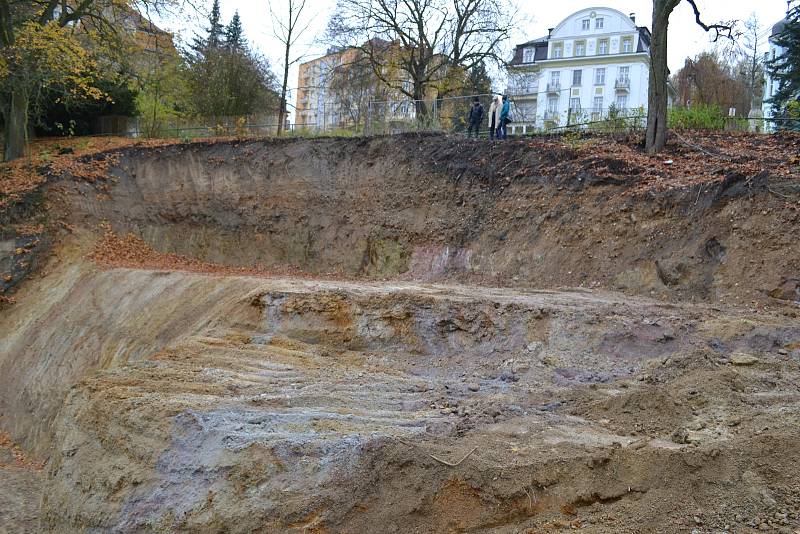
447	115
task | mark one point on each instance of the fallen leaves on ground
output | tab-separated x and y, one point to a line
130	251
19	458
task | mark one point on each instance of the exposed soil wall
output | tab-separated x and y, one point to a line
447	349
426	207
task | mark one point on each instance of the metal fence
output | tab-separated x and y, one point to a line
448	115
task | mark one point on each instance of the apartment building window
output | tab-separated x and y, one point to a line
598	103
528	111
624	74
555	77
575	104
529	84
576	78
602	47
527	55
585	25
552	104
598	23
558	51
600	76
580	48
622	101
627	45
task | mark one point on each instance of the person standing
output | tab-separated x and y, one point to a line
502	123
475	118
494	116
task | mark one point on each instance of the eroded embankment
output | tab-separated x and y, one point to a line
174	393
434	208
235	403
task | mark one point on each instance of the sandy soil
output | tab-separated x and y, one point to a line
368	375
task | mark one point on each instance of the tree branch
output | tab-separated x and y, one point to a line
720	29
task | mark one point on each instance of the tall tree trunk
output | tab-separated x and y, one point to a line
656	136
282	111
16	131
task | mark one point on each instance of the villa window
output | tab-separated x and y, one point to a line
527	55
576	78
599	76
555	77
580	48
598	23
558	51
627	46
575	104
585	25
624	74
552	104
602	47
622	101
598	103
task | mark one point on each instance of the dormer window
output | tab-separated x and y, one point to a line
585	25
527	55
598	23
580	48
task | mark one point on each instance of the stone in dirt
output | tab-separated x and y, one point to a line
741	358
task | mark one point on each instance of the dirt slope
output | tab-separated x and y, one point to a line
385	382
426	207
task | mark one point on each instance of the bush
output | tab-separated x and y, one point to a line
703	117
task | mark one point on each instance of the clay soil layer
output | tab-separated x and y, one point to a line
404	334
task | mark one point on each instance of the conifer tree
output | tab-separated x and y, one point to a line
215	29
234	37
215	32
785	68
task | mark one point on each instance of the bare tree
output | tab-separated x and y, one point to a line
351	86
413	46
288	29
752	62
656	136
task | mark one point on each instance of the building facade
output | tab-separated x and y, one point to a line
595	63
341	89
315	107
770	84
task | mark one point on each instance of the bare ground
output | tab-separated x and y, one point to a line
287	343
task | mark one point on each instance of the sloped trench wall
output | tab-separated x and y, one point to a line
432	208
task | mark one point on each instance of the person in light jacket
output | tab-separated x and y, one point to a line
494	116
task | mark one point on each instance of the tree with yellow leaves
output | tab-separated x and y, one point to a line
42	58
40	50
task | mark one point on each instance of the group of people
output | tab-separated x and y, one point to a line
499	117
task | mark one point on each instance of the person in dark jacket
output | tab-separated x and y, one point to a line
504	118
475	118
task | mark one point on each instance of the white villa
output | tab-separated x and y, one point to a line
770	85
594	61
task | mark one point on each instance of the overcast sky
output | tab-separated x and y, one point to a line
686	39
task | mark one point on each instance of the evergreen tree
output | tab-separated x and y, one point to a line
215	32
478	81
785	69
234	38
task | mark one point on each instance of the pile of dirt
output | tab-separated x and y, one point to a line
404	334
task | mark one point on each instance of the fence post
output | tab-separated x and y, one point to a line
368	123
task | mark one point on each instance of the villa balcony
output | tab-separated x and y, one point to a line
554	88
623	85
551	115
